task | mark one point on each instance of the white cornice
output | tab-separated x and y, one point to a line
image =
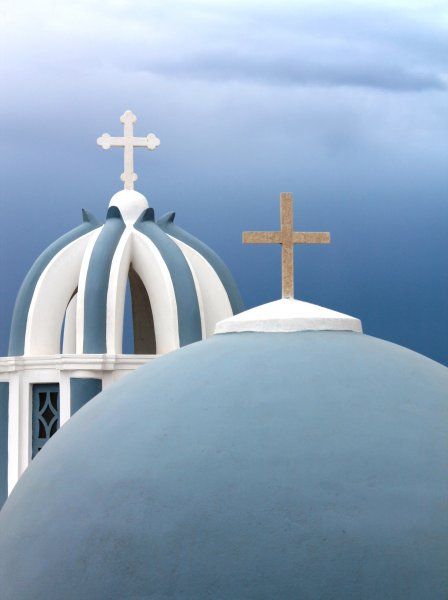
289	315
63	362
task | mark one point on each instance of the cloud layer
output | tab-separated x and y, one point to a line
379	45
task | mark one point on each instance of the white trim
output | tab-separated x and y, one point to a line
13	431
62	362
25	422
64	398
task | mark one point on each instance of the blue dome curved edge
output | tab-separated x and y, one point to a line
301	465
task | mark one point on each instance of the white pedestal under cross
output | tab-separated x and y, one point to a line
128	142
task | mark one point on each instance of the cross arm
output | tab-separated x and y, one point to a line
151	142
106	141
311	237
262	237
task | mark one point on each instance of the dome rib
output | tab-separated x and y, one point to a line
188	312
213	298
97	283
166	223
26	292
116	293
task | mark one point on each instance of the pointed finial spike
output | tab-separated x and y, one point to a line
147	215
88	217
167	218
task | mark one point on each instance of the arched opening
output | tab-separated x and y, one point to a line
138	321
67	342
127	340
144	339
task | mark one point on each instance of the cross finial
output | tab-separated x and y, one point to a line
287	237
128	142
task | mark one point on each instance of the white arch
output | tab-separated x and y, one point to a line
116	293
152	270
215	302
51	296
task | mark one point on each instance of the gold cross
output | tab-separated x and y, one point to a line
287	237
128	141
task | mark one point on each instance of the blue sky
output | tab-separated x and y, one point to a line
344	104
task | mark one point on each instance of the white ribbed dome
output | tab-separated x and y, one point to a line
179	287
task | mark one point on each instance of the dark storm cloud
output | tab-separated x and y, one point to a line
292	70
380	47
375	45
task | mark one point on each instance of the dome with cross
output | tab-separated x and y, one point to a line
134	280
288	456
179	287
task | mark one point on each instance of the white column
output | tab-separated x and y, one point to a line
13	431
64	398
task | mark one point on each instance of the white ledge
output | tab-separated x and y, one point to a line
69	362
289	315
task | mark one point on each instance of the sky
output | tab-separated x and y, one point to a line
344	104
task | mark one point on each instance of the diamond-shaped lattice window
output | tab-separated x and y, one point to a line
45	414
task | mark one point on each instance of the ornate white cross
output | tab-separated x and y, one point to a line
128	142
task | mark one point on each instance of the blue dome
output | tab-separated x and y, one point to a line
252	465
180	287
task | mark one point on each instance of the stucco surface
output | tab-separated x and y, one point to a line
307	465
287	315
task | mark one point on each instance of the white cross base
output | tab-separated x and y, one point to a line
128	142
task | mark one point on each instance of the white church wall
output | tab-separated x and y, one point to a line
22	373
